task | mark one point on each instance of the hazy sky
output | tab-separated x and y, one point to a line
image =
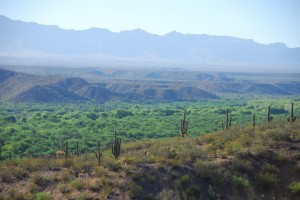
265	21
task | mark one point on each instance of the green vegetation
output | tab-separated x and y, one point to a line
32	130
295	187
249	157
242	162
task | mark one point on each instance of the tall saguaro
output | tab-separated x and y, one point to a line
184	125
292	117
98	153
116	146
66	150
270	118
253	120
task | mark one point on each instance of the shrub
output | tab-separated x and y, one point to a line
114	165
34	164
205	169
196	154
185	179
278	134
94	185
295	187
271	169
78	184
19	173
21	196
33	188
87	168
297	168
240	182
267	180
43	196
134	190
5	175
242	165
283	155
65	188
41	181
167	194
191	192
66	175
100	171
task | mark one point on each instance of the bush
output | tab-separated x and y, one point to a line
66	175
78	184
168	194
271	169
267	180
65	188
295	187
19	173
43	196
41	181
21	196
192	192
280	135
205	169
100	171
242	165
134	190
34	164
5	175
122	113
114	165
185	179
240	182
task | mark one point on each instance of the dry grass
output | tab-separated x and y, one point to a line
230	164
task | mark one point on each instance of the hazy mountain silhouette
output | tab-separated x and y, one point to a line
22	39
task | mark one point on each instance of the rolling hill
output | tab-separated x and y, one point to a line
22	87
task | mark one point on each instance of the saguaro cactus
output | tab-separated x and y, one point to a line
292	118
253	120
270	118
98	153
116	146
228	121
66	149
77	149
184	125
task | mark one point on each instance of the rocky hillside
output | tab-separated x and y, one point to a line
240	163
22	87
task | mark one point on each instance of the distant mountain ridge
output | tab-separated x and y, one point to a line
138	45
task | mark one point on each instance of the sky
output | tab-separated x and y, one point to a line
265	21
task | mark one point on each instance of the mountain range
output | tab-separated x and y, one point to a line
32	43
